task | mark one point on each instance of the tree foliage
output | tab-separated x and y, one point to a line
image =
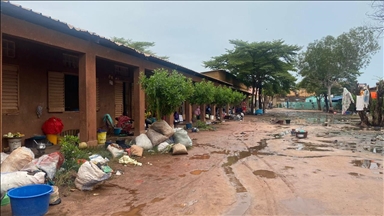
259	64
166	91
330	61
223	96
378	16
204	93
141	46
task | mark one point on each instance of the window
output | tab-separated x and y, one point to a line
10	101
9	48
63	92
71	92
71	61
119	103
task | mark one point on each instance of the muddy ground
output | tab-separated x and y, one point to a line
250	167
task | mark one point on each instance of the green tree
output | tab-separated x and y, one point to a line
142	46
378	16
223	96
204	93
258	63
331	60
165	91
237	97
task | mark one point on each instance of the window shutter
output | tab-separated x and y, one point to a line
56	99
97	95
118	99
10	102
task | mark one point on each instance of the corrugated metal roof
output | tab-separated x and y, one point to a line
88	32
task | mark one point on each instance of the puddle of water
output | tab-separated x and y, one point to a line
203	156
311	147
133	211
365	164
355	174
234	180
220	152
157	199
243	201
197	172
265	173
304	206
183	175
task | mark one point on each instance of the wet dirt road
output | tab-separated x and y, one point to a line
251	167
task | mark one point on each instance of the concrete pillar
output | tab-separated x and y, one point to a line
169	119
87	93
1	91
202	109
139	101
221	114
213	108
188	112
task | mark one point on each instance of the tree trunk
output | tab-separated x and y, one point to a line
260	97
318	102
264	103
253	97
326	102
329	95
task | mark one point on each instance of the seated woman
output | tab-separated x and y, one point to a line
176	118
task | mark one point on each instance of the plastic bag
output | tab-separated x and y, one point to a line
137	150
181	136
155	137
90	176
163	128
115	150
17	159
162	146
49	163
11	180
3	156
179	149
143	141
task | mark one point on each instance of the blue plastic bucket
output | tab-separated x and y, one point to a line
117	131
259	112
30	200
188	126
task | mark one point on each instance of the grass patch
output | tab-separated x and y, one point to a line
201	125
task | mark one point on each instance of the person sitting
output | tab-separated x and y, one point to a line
197	112
176	118
148	120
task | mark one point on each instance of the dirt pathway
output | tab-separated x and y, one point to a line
251	167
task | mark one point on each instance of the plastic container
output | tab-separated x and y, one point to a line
102	137
259	112
288	121
14	143
188	126
52	138
117	131
30	200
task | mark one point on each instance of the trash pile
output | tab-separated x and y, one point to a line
159	136
21	168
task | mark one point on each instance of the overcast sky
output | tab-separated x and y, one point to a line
192	32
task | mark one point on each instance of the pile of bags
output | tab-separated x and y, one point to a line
163	137
20	168
159	136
